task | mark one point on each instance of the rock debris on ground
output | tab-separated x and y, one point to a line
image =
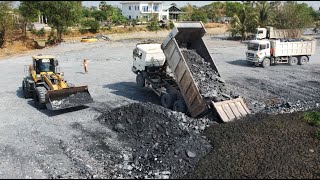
164	143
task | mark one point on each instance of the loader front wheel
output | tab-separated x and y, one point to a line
40	97
140	80
167	100
180	106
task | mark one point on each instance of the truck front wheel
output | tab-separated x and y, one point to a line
293	61
266	63
303	60
140	80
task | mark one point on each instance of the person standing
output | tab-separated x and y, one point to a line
85	65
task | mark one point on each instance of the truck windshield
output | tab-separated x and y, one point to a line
253	46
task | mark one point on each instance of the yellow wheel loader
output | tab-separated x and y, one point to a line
47	87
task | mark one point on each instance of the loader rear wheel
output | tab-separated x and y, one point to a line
25	91
293	61
167	100
140	80
40	97
303	60
180	106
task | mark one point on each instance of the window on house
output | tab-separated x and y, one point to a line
145	8
138	8
137	17
129	7
129	17
155	8
135	7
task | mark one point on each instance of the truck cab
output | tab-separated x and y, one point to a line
257	51
147	56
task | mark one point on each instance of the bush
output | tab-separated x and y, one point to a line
39	33
83	31
93	25
153	26
171	25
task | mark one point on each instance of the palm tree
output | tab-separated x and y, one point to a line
264	10
244	23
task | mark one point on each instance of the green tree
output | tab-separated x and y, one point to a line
6	21
99	15
61	14
293	15
233	8
198	15
188	9
244	23
215	10
30	12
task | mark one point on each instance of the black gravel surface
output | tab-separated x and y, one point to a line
210	85
262	146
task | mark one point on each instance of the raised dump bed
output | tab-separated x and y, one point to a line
188	36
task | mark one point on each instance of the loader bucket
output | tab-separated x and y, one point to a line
67	98
231	109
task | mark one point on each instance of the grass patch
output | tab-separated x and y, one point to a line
313	118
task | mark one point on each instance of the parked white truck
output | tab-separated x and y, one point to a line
283	49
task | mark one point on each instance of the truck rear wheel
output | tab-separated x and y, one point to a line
180	106
303	60
266	63
40	97
140	80
167	100
293	61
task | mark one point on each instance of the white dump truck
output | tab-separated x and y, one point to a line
272	33
280	46
163	68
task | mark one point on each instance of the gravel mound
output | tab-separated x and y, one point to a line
165	144
210	85
262	146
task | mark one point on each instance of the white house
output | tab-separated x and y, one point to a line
144	10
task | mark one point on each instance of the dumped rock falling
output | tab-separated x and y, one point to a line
210	85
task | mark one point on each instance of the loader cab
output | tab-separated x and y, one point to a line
45	64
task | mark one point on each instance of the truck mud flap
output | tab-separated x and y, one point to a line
231	110
67	98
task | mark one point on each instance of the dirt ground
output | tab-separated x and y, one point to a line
262	147
74	143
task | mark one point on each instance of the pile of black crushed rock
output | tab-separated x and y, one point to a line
262	146
165	144
210	85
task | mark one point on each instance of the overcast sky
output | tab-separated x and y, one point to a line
314	4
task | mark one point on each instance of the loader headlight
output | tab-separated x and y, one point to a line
38	76
61	74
